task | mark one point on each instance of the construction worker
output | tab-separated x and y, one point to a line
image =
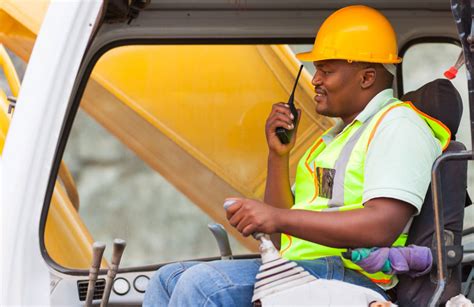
359	185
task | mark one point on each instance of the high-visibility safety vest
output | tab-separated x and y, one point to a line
342	171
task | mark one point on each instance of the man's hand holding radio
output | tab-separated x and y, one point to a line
280	116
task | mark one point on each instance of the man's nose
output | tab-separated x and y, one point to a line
316	79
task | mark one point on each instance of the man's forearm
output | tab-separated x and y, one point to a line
379	223
278	190
334	229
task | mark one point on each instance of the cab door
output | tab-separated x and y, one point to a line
31	144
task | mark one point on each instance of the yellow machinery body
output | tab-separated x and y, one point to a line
166	119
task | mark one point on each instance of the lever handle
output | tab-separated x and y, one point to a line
117	252
222	240
97	252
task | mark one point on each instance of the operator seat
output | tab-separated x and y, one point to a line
440	100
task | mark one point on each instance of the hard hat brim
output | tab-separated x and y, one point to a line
311	57
305	57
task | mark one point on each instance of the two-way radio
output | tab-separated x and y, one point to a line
284	134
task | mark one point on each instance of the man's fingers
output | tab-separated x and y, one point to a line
234	220
231	203
234	207
248	230
245	227
280	123
241	225
280	105
281	109
235	217
280	116
239	218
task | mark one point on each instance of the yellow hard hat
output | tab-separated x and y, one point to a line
355	33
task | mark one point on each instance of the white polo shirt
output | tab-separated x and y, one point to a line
400	155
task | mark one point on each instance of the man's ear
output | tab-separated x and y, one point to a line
368	76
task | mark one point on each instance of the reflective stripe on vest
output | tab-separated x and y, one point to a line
340	168
340	164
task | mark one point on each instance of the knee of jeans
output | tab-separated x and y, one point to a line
162	277
202	278
197	273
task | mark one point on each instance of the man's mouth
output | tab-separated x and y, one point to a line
319	93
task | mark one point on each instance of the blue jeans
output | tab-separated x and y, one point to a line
230	282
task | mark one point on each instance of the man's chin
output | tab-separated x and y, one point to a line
321	110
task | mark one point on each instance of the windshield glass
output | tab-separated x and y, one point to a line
162	136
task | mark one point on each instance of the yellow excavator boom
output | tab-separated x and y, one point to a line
159	102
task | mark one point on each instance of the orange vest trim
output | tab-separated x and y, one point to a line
315	146
414	109
289	244
433	119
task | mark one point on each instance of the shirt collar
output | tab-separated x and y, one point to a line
375	104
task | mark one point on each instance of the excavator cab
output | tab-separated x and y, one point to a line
164	118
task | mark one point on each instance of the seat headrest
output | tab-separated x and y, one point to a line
438	99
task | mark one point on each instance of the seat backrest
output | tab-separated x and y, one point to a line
418	291
440	100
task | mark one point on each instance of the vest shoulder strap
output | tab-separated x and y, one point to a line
440	131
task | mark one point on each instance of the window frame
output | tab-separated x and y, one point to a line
421	40
90	60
